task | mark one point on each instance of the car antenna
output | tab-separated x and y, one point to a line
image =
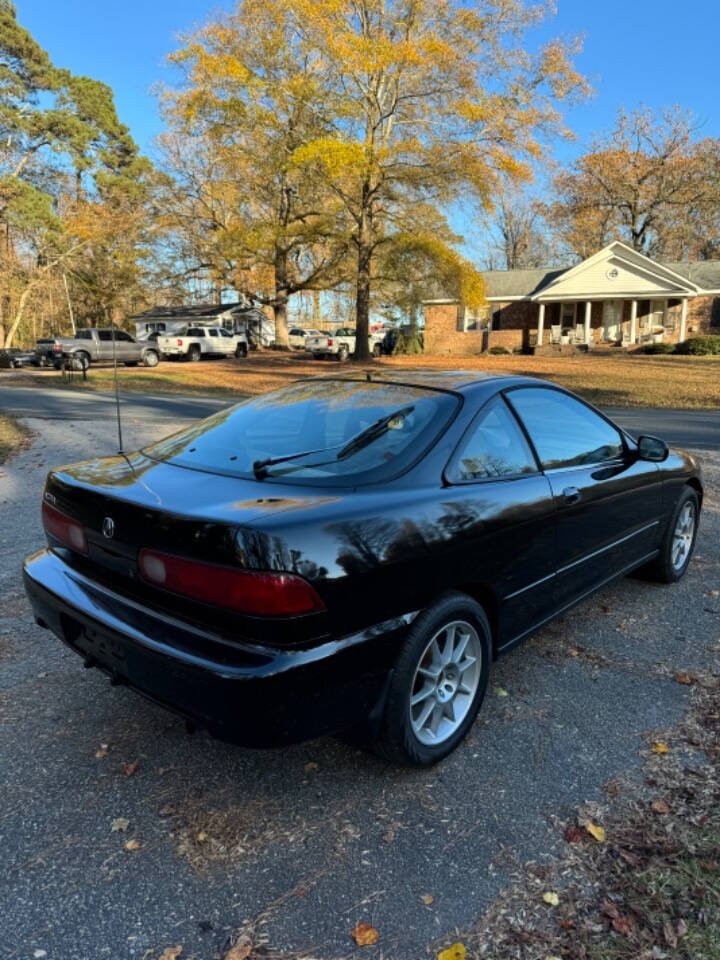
117	394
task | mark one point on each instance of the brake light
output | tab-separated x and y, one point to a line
179	342
330	342
64	528
57	348
264	593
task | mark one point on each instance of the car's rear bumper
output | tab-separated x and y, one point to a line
251	695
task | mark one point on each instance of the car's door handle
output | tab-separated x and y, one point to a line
571	494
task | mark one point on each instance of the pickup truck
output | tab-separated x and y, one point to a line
194	343
339	344
95	345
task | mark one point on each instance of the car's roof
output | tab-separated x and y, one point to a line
455	380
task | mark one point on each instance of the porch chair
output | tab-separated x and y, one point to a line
555	332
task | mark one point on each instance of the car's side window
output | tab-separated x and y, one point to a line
493	447
565	432
213	332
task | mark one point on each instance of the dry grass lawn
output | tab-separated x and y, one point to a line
12	438
622	380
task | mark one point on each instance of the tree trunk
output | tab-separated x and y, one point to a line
18	316
362	304
281	301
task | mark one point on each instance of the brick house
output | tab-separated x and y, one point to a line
616	298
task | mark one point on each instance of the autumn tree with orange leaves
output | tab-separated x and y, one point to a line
429	103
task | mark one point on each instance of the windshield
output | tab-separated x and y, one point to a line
313	424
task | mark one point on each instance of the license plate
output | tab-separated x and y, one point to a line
102	648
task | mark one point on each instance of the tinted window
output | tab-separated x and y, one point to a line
195	332
565	432
83	335
121	335
317	419
105	335
224	333
494	447
212	332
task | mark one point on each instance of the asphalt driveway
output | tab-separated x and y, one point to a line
296	846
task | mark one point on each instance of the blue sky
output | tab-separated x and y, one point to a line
656	52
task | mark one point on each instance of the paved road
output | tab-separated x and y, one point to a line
298	845
688	428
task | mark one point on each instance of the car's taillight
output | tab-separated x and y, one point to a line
57	348
179	342
330	342
257	593
64	528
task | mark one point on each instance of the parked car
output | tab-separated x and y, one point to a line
298	335
13	357
196	343
352	552
340	344
95	345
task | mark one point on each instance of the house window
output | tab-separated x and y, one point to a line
715	313
567	315
477	320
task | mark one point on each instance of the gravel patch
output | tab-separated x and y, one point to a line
300	844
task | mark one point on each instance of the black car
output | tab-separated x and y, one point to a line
353	553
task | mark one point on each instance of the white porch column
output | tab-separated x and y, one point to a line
541	323
633	321
683	319
588	313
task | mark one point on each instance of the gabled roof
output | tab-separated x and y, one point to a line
196	311
637	276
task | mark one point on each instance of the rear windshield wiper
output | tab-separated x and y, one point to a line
358	442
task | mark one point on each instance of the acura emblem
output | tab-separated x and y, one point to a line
108	528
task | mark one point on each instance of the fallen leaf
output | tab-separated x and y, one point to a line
129	768
551	957
500	692
596	831
311	767
101	753
551	898
669	934
241	950
133	844
167	810
622	924
610	909
573	834
119	824
365	935
389	835
684	678
201	837
660	747
456	951
682	928
659	806
171	953
427	899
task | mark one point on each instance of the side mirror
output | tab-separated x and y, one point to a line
652	448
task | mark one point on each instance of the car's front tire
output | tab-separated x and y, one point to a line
678	542
241	350
150	358
438	682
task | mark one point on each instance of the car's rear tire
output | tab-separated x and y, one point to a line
377	350
342	354
438	682
150	358
678	542
241	350
194	353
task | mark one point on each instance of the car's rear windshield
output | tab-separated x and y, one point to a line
346	432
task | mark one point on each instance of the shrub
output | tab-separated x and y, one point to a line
658	348
706	346
408	343
498	350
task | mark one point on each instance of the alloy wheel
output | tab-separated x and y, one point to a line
445	682
683	536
